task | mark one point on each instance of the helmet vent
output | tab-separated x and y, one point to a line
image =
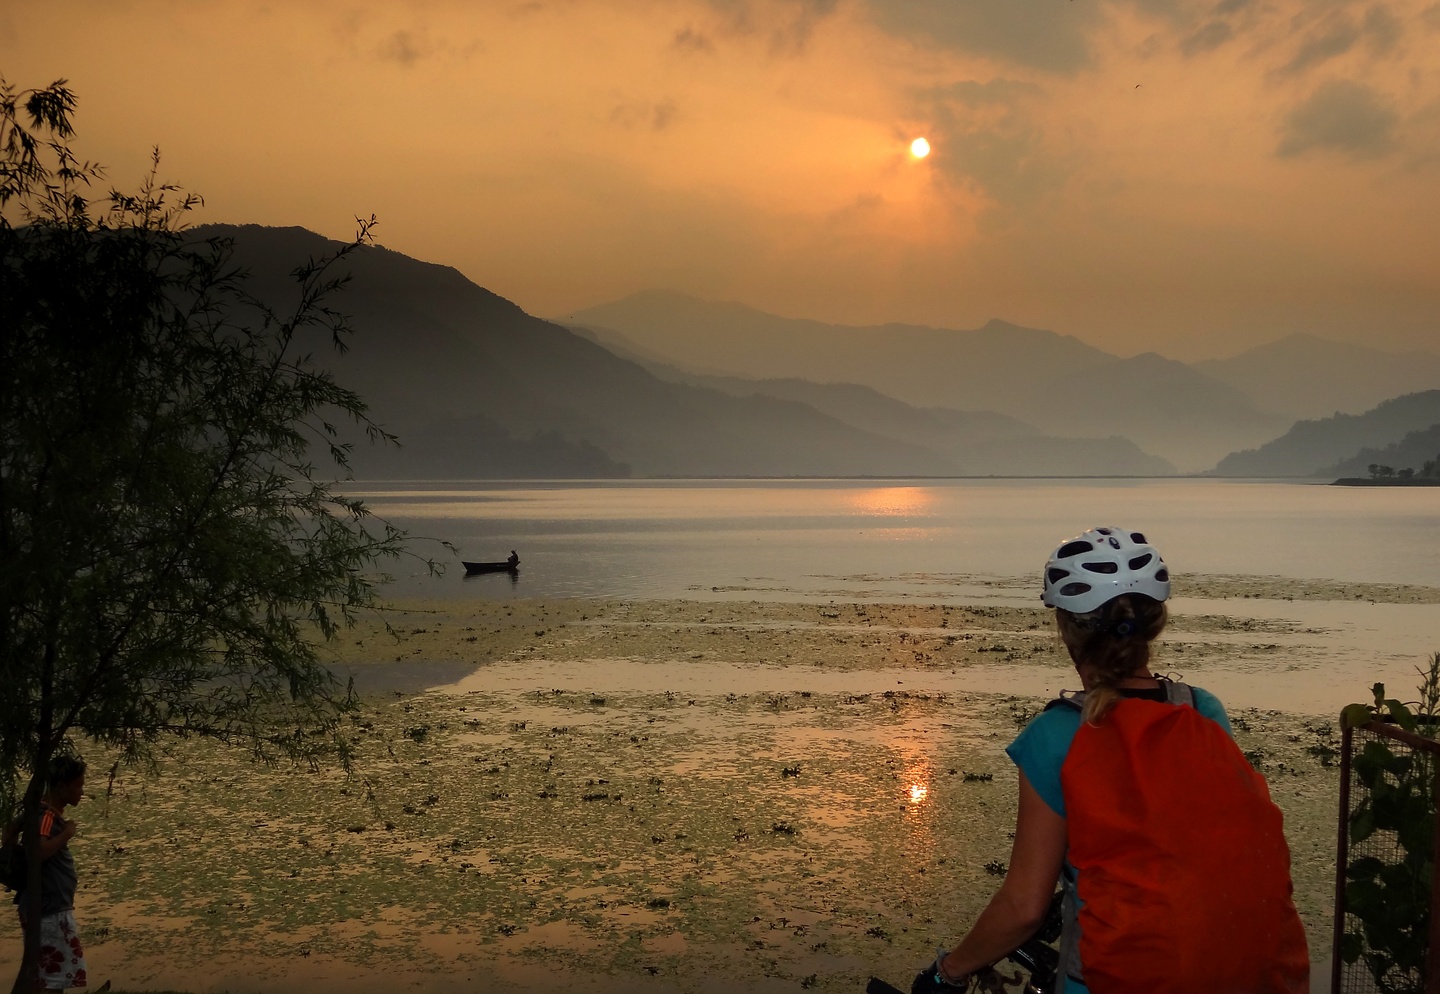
1101	564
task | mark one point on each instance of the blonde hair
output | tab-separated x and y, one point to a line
1114	641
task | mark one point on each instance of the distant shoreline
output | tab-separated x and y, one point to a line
608	480
1365	481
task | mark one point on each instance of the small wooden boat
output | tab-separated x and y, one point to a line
511	565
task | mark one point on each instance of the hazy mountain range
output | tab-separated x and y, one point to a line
984	442
477	388
1411	452
1305	377
1345	444
1055	382
1192	415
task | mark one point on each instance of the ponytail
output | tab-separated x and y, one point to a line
1114	641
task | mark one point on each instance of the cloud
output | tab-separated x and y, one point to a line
792	37
635	114
408	48
985	136
1342	116
1339	33
1334	37
403	47
786	25
1040	34
1382	28
690	40
1206	38
974	93
663	115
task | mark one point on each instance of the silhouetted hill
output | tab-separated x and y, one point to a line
1303	376
979	369
1056	382
985	443
1411	452
475	387
1163	405
871	410
1315	448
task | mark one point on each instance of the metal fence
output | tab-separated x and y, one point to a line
1387	889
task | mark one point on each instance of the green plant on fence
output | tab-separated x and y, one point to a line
1388	898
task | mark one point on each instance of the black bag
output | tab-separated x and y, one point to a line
12	866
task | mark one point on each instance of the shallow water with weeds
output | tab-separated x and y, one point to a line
744	797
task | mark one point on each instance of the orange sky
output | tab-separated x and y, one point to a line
1188	177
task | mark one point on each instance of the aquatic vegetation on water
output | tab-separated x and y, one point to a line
654	837
744	823
654	819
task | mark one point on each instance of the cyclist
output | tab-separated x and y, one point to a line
1132	794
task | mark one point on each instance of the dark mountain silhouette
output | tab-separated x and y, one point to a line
1411	452
1314	448
479	447
475	387
1055	382
1303	376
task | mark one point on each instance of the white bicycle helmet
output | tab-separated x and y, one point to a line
1098	566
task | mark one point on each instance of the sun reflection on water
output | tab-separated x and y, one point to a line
916	774
893	501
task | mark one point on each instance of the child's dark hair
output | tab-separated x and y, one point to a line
1114	640
65	769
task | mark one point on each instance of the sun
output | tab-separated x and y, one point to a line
920	148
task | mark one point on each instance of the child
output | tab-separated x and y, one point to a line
62	959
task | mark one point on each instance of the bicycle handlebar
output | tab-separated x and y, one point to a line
1035	955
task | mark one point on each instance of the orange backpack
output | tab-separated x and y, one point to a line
1183	871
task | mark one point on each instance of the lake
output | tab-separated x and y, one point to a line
968	542
824	538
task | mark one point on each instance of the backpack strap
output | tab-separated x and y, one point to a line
1175	693
1068	699
1069	945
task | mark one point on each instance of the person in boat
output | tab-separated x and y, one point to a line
513	559
1170	854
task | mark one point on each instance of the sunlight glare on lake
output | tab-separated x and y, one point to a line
893	501
918	792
